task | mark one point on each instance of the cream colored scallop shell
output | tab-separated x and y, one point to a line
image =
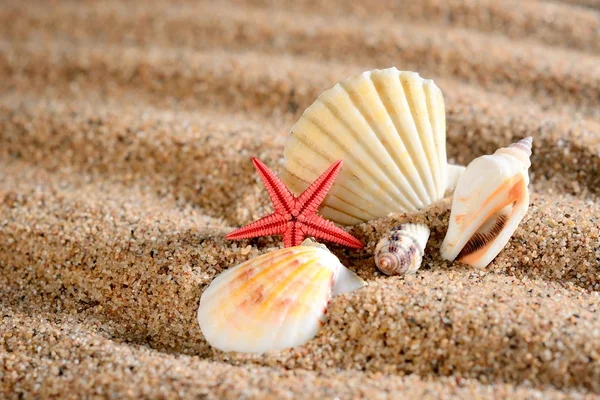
489	202
389	127
401	252
274	301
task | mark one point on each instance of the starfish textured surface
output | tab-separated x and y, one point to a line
295	218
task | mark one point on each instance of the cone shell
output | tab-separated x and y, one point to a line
401	252
274	301
389	127
489	202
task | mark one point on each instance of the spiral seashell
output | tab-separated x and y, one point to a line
275	301
389	127
401	252
524	145
489	202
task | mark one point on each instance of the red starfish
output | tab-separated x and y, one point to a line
295	217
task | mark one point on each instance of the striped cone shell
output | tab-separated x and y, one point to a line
401	252
489	202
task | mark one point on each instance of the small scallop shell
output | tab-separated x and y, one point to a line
401	252
489	202
389	127
274	301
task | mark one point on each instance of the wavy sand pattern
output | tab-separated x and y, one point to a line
126	133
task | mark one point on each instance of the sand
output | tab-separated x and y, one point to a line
126	133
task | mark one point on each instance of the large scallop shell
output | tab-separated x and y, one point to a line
401	252
274	301
389	127
490	200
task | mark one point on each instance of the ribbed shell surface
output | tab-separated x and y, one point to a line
274	301
389	127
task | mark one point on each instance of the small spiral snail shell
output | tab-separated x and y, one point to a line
401	252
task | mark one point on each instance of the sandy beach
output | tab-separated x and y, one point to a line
126	137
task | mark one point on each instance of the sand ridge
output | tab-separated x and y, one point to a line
125	141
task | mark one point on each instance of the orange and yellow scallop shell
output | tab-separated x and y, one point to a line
275	301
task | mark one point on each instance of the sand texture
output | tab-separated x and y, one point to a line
126	132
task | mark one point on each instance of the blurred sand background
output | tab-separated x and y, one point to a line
126	131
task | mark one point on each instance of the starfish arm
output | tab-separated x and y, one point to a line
313	196
322	229
283	200
294	235
272	224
